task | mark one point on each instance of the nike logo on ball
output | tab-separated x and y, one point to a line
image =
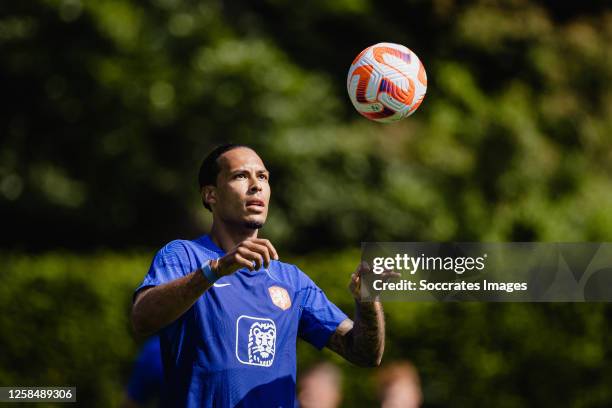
220	285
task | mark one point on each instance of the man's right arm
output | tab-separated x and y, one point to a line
158	306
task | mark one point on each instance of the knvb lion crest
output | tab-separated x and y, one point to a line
280	297
255	340
262	339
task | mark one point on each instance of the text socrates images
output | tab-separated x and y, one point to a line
491	272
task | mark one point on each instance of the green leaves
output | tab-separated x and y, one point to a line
113	105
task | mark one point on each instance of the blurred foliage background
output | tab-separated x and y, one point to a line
108	107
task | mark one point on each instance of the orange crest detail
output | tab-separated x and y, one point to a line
280	297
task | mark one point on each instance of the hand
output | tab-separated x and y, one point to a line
364	293
251	253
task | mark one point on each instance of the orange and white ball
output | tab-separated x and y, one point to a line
386	82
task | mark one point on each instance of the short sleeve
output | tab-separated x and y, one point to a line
170	263
320	317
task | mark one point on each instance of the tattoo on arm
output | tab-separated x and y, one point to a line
361	342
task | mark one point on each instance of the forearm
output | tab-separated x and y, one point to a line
368	334
159	306
361	341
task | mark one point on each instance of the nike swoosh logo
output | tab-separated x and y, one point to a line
220	285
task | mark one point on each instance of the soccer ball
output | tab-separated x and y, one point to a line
386	82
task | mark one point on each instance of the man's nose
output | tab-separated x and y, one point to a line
255	186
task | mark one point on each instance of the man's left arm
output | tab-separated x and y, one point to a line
361	341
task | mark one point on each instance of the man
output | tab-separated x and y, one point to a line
229	312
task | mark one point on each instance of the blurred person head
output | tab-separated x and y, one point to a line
320	387
399	386
234	186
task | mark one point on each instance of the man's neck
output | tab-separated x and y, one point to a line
227	236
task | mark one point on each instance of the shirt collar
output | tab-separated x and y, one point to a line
208	243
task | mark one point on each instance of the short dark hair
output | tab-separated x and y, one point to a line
209	170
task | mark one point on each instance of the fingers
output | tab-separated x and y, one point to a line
362	268
355	284
254	258
257	250
242	261
267	244
252	253
262	250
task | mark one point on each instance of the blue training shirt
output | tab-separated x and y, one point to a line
236	346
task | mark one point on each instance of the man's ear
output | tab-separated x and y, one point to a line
209	195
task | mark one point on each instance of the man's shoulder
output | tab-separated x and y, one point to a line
186	247
287	267
176	245
292	273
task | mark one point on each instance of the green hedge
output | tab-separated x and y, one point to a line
64	321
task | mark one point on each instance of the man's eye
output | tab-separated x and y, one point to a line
237	176
263	177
